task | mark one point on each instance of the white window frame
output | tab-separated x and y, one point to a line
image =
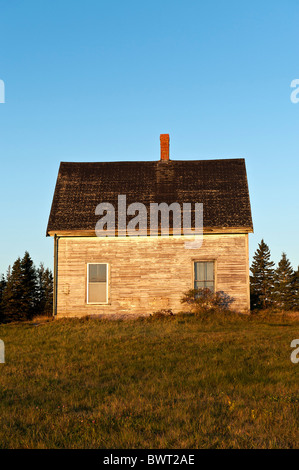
107	283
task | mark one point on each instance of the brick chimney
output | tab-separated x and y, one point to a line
164	143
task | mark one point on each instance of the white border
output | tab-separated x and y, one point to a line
107	280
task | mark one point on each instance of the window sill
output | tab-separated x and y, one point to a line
97	303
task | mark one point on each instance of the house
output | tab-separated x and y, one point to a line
142	274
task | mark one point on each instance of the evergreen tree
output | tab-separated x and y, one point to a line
296	289
284	284
8	272
13	294
2	288
29	281
44	291
20	296
262	279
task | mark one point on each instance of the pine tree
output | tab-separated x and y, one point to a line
262	279
2	288
20	296
296	289
8	272
13	294
44	291
284	284
29	278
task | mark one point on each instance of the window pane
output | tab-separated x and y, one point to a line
210	285
199	269
97	292
204	275
199	284
210	271
97	273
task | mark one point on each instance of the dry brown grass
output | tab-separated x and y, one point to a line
220	381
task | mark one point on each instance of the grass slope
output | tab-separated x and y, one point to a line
178	382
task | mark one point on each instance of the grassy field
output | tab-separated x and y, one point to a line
177	382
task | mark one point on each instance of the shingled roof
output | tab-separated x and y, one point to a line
221	185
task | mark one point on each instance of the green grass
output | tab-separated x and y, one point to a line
178	382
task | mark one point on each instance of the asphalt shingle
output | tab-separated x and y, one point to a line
221	185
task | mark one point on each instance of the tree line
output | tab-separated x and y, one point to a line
270	287
25	291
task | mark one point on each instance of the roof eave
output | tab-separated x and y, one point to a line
92	233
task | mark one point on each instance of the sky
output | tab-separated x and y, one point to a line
100	80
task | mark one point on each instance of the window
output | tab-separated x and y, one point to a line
97	284
204	275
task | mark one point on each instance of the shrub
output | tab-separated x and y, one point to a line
204	300
164	312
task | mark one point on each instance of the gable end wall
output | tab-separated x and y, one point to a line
148	273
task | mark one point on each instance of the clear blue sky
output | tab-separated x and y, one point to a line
99	80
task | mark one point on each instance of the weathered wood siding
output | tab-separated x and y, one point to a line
148	273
